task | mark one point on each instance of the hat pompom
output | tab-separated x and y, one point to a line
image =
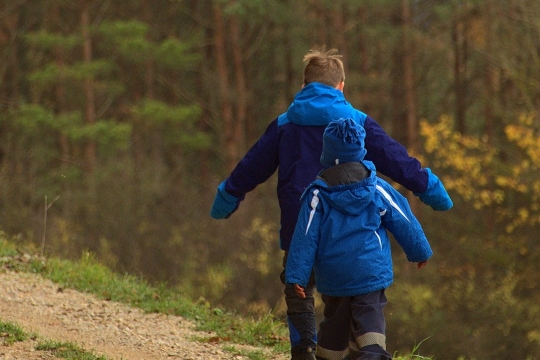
347	130
343	141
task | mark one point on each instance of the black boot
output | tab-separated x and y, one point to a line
308	355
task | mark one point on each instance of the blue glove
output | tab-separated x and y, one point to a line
224	203
435	194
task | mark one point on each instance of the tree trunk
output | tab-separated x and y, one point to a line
290	87
204	94
488	78
362	60
149	78
410	92
460	86
488	107
231	151
90	108
338	28
241	90
10	39
399	110
60	90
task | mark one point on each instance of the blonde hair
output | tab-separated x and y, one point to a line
324	67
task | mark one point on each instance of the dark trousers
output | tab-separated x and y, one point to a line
353	326
301	317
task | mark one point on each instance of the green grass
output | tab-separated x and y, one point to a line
66	350
12	333
412	355
252	355
87	275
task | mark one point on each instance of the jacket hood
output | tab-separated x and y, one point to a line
318	104
350	199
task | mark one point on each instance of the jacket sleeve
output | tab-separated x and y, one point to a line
305	241
259	163
392	159
397	217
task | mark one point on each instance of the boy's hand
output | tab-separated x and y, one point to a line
421	264
224	203
299	291
435	194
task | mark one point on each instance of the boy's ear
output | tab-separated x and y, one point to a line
340	86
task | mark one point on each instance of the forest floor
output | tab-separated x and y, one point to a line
105	328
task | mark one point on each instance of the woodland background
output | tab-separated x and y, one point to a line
118	119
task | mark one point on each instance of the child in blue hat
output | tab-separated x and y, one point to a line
341	234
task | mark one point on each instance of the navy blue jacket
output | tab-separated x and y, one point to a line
292	144
342	234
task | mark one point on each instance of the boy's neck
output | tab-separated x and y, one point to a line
339	86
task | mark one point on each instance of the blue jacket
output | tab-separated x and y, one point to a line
342	234
292	143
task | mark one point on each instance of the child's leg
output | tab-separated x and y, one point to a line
301	319
333	337
368	327
302	323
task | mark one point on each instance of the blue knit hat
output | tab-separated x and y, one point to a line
343	141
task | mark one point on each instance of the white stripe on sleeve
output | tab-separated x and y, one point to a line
391	201
314	203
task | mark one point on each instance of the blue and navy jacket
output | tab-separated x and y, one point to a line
292	144
342	234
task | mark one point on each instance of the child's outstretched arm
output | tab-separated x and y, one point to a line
260	162
392	159
398	218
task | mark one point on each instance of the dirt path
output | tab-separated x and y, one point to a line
107	328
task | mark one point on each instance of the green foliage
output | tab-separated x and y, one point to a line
92	70
175	54
7	248
159	113
119	31
34	119
180	122
243	7
47	40
128	39
108	133
46	76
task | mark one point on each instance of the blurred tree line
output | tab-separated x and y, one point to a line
119	118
